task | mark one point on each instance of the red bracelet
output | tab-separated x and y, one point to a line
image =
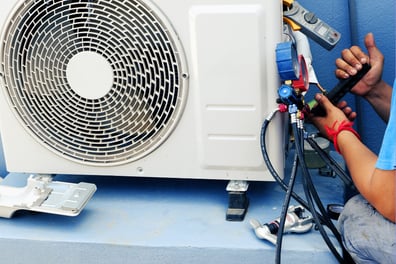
332	133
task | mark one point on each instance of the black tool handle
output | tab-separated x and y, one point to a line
342	88
345	85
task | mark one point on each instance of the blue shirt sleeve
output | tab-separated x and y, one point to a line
387	156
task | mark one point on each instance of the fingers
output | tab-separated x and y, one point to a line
355	57
350	114
351	62
352	59
329	107
342	104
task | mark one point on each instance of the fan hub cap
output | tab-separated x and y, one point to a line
90	75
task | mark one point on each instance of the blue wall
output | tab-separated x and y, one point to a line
379	19
354	19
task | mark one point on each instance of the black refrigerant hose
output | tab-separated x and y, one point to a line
309	189
271	168
268	162
331	163
285	207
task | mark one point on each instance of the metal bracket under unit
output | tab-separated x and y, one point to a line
41	194
238	201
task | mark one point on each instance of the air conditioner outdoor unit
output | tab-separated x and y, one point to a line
166	88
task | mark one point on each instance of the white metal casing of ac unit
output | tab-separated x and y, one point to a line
231	79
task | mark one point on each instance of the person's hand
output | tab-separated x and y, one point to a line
333	118
351	61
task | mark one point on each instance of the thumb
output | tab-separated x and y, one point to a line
323	101
374	53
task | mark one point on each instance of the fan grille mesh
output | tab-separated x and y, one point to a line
149	86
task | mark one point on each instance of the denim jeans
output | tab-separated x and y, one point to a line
366	234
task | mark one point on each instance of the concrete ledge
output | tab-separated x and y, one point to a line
131	220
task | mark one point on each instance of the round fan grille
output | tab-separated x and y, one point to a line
99	82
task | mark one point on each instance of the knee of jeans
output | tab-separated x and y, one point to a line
350	214
351	208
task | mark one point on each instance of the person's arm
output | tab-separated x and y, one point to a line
371	87
377	186
379	98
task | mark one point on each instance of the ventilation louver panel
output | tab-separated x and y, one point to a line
128	112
